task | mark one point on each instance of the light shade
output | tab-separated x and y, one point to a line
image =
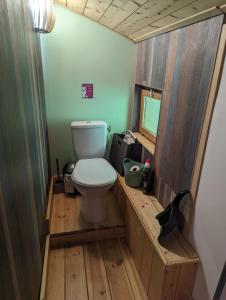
44	15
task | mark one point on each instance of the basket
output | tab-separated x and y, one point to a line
133	178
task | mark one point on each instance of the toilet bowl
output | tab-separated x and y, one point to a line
93	176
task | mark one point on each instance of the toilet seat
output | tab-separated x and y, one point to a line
95	172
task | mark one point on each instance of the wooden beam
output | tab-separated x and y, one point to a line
214	11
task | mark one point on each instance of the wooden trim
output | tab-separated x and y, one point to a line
45	270
153	94
147	144
49	207
208	114
75	238
214	11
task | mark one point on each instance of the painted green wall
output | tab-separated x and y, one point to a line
78	51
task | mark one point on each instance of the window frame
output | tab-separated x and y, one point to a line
153	94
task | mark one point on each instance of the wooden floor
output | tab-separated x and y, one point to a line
94	271
66	214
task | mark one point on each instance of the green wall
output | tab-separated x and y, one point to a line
78	51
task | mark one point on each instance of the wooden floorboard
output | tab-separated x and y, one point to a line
97	281
95	271
75	276
66	214
56	274
116	272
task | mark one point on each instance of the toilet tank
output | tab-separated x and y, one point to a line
89	138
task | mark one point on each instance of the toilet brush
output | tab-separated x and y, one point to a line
58	183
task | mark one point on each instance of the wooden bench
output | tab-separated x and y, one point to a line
167	271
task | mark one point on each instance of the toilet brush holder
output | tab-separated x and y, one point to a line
58	184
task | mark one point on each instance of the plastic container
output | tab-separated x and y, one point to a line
120	150
133	172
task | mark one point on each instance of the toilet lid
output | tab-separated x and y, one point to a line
93	172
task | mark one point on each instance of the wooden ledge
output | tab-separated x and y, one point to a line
148	145
176	250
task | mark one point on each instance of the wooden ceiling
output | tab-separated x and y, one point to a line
140	19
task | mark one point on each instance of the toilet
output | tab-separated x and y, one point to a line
93	176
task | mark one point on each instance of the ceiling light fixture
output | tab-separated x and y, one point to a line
44	15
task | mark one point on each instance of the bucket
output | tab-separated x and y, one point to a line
133	172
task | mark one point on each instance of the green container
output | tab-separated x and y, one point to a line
133	172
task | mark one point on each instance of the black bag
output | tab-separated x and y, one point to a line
121	150
171	217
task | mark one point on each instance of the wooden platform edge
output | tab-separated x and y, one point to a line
75	238
191	254
49	206
45	270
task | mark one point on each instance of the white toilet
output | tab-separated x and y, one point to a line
93	176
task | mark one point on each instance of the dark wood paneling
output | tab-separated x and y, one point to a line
151	61
23	148
181	63
190	66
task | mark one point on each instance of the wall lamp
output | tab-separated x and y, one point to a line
44	15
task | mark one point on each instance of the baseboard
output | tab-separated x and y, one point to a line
45	270
79	237
49	207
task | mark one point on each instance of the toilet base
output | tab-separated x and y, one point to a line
93	209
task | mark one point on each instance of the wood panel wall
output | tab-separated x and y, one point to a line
23	154
189	57
151	61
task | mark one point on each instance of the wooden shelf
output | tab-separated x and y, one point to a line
167	270
176	249
148	145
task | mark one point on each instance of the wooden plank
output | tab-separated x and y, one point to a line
115	14
96	274
58	214
145	142
151	11
133	275
76	5
186	282
49	207
75	276
44	281
136	234
96	8
208	114
55	287
156	278
146	263
78	237
211	12
117	277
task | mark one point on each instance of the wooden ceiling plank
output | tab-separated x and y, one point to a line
182	23
150	12
197	7
96	8
165	21
61	2
114	16
142	32
77	5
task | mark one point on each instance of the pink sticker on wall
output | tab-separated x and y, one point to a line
87	90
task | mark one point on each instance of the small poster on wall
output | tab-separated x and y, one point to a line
87	90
